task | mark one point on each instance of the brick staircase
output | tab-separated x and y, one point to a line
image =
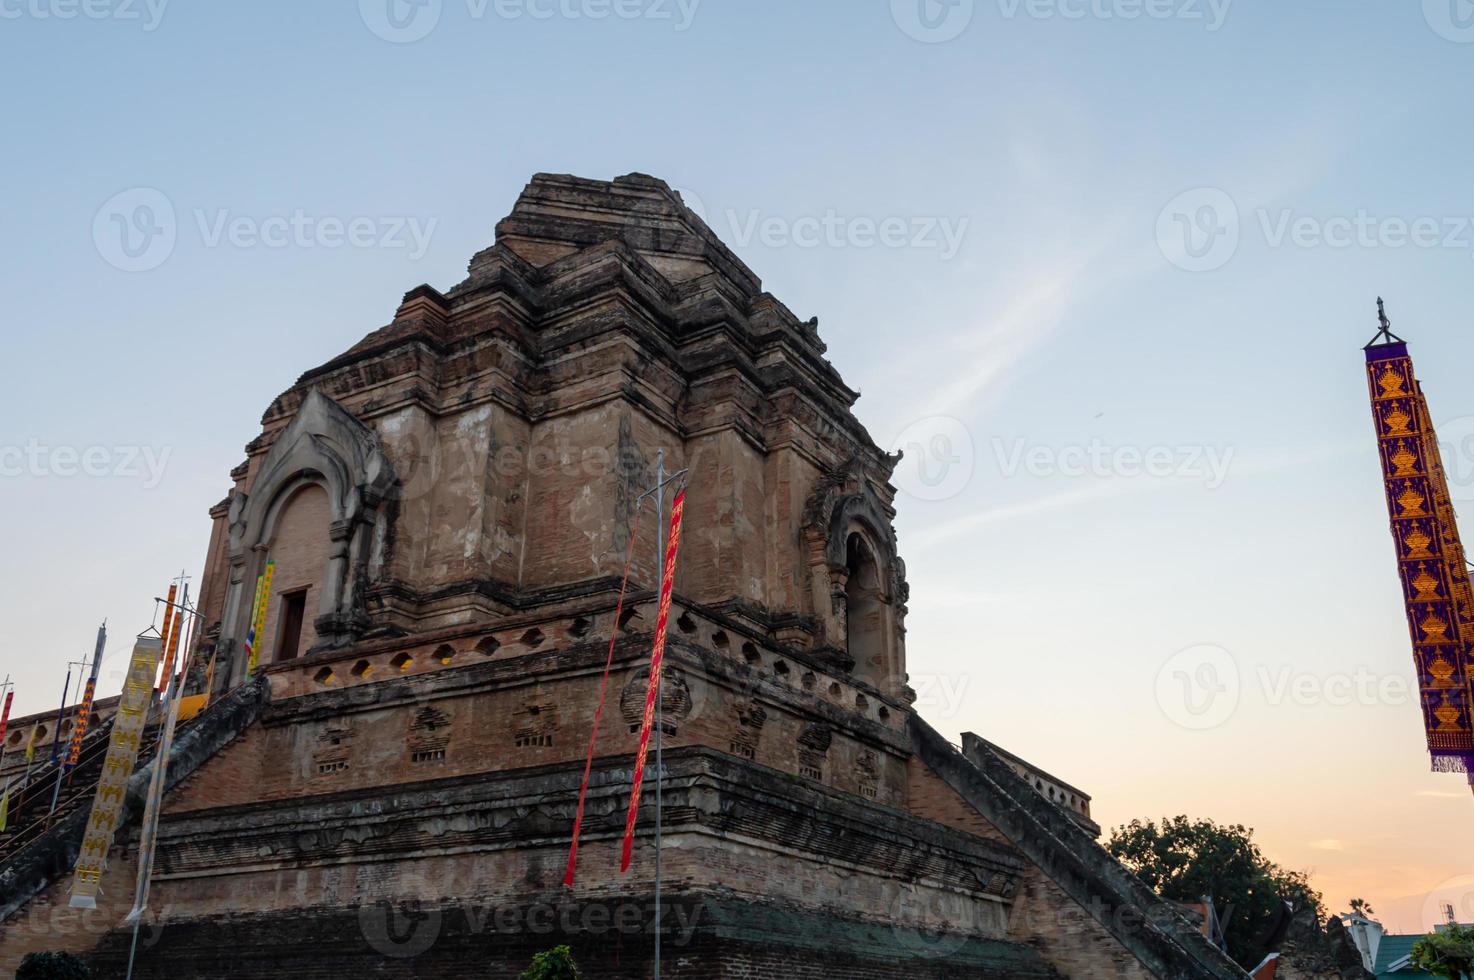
40	849
31	814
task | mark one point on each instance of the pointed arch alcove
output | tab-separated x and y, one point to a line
312	507
858	581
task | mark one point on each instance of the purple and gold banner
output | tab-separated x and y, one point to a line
1430	557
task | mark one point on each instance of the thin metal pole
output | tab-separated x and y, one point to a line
133	947
56	756
149	831
659	685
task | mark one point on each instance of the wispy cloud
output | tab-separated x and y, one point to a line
1097	253
1108	487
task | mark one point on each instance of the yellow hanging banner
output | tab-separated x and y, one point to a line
117	767
258	628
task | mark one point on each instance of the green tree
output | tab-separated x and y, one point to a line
1360	907
1449	953
1187	860
52	966
556	964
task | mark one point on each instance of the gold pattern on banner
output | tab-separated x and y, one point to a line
112	786
1435	578
1404	460
258	628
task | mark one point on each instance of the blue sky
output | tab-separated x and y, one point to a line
1038	165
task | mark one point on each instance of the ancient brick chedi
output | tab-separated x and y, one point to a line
447	506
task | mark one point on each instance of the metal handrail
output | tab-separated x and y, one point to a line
36	828
41	777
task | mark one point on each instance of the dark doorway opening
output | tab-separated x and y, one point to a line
289	633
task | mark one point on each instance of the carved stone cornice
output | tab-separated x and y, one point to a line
707	793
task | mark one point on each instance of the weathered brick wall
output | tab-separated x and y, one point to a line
928	796
499	713
703	941
459	507
49	923
300	549
1071	938
727	552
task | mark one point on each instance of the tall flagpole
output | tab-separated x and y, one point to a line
148	835
659	684
84	710
4	724
56	755
654	715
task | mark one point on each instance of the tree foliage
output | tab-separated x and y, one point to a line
1448	953
1187	860
1360	907
555	964
52	966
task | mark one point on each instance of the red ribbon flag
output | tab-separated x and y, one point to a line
652	693
588	765
5	715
